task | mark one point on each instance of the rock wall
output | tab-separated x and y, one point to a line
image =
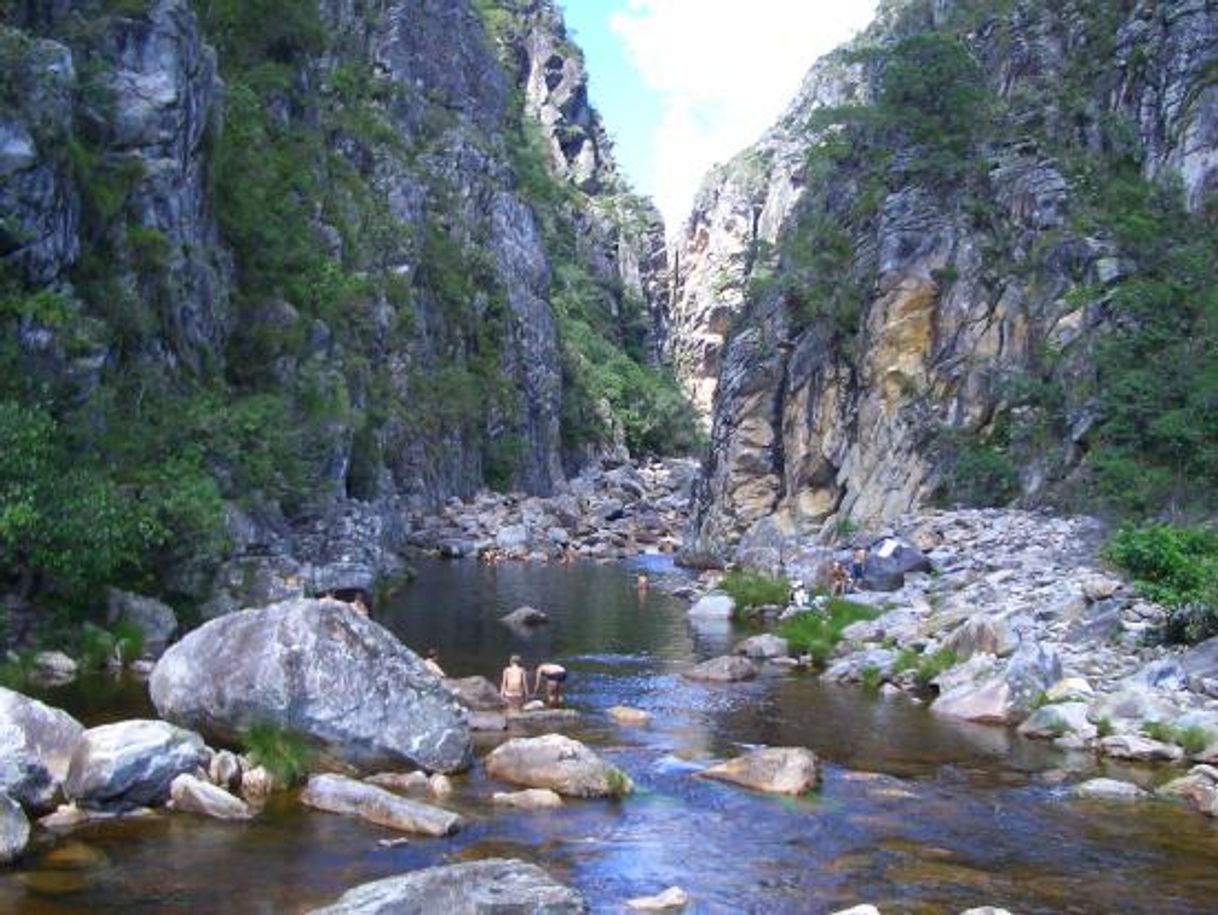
850	415
388	281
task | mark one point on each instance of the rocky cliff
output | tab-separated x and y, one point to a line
966	267
310	265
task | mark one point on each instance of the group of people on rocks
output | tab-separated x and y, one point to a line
514	683
843	579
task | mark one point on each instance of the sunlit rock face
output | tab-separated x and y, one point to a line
845	319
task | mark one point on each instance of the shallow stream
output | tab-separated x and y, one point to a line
916	814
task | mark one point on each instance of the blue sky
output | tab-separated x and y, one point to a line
683	84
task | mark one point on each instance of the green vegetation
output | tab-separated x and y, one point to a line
750	588
872	677
1192	739
817	633
1177	567
925	666
618	783
97	647
286	754
978	472
1105	728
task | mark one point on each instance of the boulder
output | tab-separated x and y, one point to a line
193	795
1052	721
528	799
1074	689
1132	705
763	647
633	717
1004	696
36	744
156	620
224	770
779	770
853	668
727	669
323	670
53	668
257	784
716	606
415	782
889	561
131	763
1139	749
558	763
512	537
340	794
672	898
477	694
14	829
525	616
472	888
488	721
1108	788
983	634
864	909
1199	787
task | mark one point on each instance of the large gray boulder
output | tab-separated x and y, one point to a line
321	669
763	647
339	794
131	763
779	770
36	743
715	606
558	763
155	620
474	888
14	829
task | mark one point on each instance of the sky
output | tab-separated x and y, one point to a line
684	84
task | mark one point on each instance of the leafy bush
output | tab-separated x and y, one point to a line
817	634
286	754
1177	567
755	589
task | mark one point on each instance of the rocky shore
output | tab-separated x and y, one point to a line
1012	618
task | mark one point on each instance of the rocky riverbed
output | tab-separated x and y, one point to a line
1022	624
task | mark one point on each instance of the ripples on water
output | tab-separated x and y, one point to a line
916	814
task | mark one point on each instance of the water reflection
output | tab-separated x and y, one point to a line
916	814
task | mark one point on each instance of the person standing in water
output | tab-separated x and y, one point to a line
514	684
555	676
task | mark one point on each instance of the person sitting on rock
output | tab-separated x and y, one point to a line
514	684
858	568
555	676
839	579
432	663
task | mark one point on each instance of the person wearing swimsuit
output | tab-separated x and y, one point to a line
514	683
555	676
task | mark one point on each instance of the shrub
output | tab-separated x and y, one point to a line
286	754
872	677
930	666
755	589
1177	567
817	634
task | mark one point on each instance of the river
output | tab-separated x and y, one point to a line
916	814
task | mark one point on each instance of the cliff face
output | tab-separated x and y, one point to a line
912	291
318	257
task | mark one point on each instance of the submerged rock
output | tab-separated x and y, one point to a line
36	744
727	669
323	670
779	770
1199	787
558	763
525	616
1108	788
131	763
672	898
339	794
528	799
764	647
473	888
633	717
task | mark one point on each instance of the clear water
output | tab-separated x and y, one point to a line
916	814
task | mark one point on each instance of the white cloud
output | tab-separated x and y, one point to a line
725	70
